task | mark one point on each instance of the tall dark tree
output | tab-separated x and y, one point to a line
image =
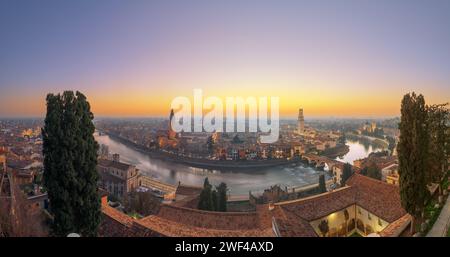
412	155
322	186
205	200
214	200
346	173
222	197
438	120
70	159
372	170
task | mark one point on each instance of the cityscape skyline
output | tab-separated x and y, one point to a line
243	119
348	59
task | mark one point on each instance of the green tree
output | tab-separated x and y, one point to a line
222	197
70	160
322	186
438	120
346	173
372	171
214	201
412	155
391	145
205	200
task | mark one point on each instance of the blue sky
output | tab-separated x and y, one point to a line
132	57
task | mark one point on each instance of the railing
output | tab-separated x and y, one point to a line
154	184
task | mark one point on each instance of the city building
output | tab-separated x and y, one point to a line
168	138
364	206
116	177
390	174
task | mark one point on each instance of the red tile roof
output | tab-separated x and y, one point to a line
379	198
177	221
291	218
188	190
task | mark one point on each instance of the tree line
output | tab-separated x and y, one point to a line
423	152
213	199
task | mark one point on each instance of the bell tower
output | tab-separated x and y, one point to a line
300	122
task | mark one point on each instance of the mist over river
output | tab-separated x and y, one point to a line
239	182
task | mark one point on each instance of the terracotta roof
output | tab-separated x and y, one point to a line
290	225
118	224
173	228
114	164
314	207
291	218
379	198
188	190
209	219
395	228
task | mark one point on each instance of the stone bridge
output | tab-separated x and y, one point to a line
319	161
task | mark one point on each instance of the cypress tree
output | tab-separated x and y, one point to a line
222	197
214	201
412	155
322	186
88	201
205	200
346	173
70	159
438	119
58	180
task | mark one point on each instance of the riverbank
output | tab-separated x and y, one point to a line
223	165
335	152
375	141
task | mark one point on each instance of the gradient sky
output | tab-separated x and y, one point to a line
131	58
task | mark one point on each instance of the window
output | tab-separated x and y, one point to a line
368	216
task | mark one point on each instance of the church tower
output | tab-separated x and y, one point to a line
171	133
300	122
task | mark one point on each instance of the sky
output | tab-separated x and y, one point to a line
131	58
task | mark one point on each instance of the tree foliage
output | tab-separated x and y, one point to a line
213	199
346	173
372	171
437	119
222	197
413	153
70	160
322	186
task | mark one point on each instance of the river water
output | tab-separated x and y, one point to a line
239	182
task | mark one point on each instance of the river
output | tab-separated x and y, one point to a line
239	182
